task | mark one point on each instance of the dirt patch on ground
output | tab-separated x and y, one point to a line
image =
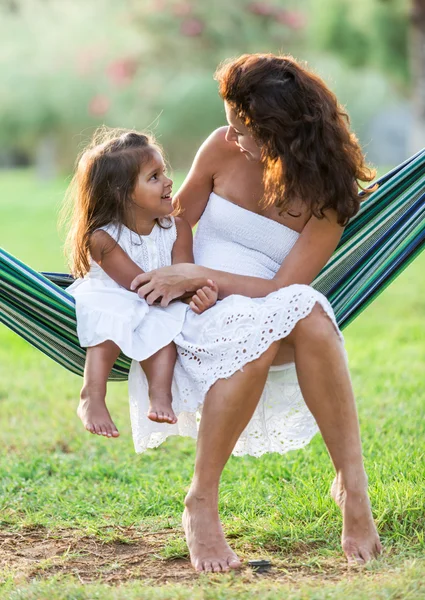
40	553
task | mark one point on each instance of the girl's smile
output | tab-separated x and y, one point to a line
152	192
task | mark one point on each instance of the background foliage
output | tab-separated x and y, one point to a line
69	66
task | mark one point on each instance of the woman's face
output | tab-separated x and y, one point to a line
239	133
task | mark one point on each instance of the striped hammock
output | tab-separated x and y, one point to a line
377	244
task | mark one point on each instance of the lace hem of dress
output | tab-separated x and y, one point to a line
282	421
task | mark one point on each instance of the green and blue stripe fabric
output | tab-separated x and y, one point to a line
377	244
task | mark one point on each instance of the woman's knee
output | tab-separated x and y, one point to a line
266	359
316	326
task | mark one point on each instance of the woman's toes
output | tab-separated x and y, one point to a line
207	566
233	562
355	560
224	566
216	567
198	565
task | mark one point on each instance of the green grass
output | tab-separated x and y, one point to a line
59	483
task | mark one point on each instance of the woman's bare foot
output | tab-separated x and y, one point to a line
160	409
360	540
208	548
94	414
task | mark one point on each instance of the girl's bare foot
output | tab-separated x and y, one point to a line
94	414
208	548
360	540
160	409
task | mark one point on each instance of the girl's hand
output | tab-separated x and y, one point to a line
168	283
204	298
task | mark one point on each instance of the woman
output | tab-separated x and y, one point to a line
272	191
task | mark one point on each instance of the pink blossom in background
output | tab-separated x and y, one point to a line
121	71
291	18
99	105
192	27
86	59
157	6
264	9
182	9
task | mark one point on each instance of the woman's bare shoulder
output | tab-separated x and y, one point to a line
216	144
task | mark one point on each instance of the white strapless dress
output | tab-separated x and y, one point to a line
234	332
107	311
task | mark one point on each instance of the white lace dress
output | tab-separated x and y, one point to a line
107	311
234	332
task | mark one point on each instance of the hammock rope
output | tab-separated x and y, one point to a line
377	244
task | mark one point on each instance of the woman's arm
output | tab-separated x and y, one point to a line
198	185
304	262
111	257
307	258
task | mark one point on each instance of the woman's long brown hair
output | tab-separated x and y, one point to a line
308	150
101	189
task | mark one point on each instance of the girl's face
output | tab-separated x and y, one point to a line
239	133
152	193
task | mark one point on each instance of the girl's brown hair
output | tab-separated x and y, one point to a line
307	148
101	189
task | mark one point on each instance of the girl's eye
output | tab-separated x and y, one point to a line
154	176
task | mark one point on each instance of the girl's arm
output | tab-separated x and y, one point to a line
111	257
183	246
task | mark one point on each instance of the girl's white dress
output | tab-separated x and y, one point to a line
234	332
107	311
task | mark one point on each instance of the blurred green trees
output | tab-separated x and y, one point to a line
69	66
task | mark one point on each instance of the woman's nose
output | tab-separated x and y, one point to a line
231	135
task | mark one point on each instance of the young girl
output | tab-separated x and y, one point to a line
122	225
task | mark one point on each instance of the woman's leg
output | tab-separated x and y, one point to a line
326	387
92	409
229	405
159	370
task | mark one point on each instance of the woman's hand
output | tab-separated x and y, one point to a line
168	283
204	298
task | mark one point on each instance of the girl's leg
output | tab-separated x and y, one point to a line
159	370
92	408
229	405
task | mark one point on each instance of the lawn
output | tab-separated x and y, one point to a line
85	517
